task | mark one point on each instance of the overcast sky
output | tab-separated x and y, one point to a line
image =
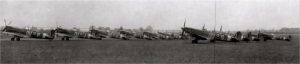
161	14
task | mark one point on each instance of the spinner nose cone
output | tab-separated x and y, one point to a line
183	28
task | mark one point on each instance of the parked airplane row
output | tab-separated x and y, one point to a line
65	34
212	36
187	32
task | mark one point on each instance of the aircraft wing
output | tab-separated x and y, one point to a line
102	35
163	34
199	34
63	35
200	37
15	34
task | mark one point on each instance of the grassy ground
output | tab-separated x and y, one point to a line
143	51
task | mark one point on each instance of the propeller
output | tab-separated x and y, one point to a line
183	30
54	31
5	23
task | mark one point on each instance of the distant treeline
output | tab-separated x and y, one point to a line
283	31
288	31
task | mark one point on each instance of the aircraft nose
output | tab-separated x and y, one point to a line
3	29
182	28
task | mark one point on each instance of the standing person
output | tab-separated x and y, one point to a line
290	38
239	35
249	37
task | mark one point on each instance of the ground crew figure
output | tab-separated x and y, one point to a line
239	35
249	37
290	38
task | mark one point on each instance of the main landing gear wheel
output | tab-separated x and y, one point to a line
194	41
265	39
67	38
18	39
12	39
15	39
213	41
256	39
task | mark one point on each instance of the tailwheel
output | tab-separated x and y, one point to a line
63	38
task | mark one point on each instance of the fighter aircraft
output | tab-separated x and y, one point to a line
98	34
126	35
165	35
259	36
208	36
149	35
262	36
168	35
283	37
223	36
65	34
122	34
198	34
266	36
18	33
94	34
139	35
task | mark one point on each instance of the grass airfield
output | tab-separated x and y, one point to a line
148	51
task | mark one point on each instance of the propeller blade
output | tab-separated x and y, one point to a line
5	22
4	29
9	23
184	23
183	30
